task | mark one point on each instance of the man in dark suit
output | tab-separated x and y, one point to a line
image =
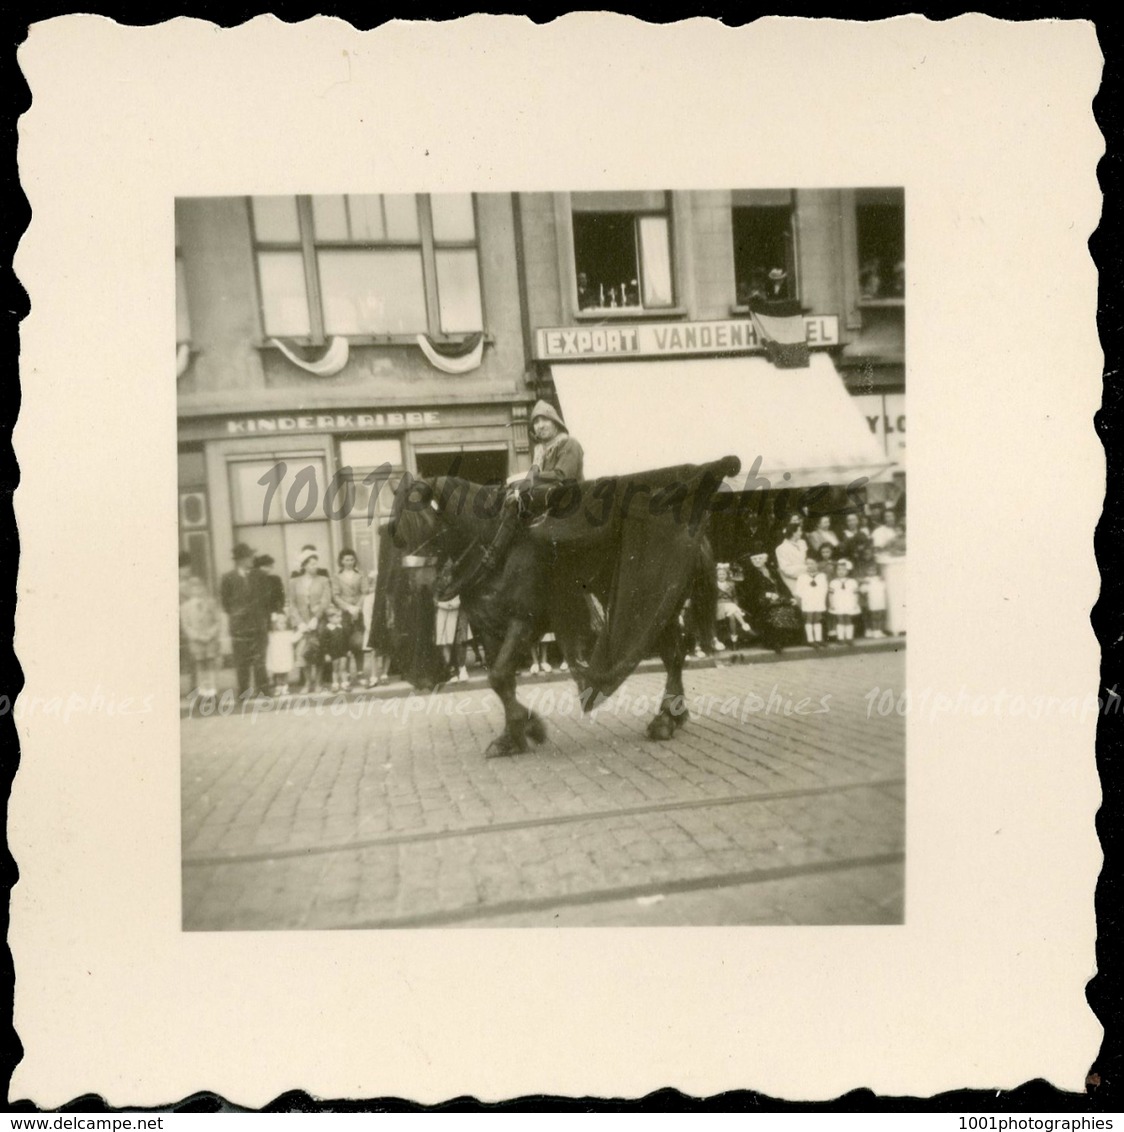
269	596
238	594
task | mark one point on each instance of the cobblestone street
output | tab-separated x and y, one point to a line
369	813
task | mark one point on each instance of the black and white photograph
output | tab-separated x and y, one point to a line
542	558
520	548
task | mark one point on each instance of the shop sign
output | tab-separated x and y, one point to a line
331	422
884	414
668	339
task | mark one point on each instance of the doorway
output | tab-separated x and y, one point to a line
488	465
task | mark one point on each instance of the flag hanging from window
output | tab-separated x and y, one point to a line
780	326
453	357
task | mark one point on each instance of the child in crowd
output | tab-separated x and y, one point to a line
200	621
825	558
728	608
336	643
280	655
539	655
811	591
873	590
452	630
843	602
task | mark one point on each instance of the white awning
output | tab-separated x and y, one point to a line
632	416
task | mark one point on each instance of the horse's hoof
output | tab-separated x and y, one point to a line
660	728
499	748
536	729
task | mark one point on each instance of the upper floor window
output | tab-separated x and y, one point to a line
880	236
764	245
183	322
367	264
622	250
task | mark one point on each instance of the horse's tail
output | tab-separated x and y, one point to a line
702	614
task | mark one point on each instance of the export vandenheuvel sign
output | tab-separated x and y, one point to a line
668	339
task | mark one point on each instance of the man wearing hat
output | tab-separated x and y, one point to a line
778	284
238	594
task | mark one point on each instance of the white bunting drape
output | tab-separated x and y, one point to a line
328	364
462	364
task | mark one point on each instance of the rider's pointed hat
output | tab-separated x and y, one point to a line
543	409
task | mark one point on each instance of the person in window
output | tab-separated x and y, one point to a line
586	297
792	554
897	285
778	284
758	285
310	595
238	594
870	279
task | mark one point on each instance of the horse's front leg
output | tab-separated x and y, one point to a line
673	707
518	721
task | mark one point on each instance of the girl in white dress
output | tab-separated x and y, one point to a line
811	592
843	601
280	655
874	594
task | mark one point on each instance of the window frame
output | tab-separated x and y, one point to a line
865	198
792	249
633	313
309	246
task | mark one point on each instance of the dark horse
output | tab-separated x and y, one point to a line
609	569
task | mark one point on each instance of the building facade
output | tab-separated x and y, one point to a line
639	307
327	343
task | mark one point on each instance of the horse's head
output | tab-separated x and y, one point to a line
415	522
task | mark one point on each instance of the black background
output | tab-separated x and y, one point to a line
1103	1093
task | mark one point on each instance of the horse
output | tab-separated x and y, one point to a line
609	576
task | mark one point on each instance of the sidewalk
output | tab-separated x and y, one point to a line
478	678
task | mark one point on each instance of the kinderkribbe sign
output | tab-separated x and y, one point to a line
331	422
668	339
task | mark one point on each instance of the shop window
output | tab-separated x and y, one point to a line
622	253
379	265
763	250
277	509
880	235
183	321
373	466
194	512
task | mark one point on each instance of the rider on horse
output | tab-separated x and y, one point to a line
557	460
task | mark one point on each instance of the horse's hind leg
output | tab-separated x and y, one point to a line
673	707
518	721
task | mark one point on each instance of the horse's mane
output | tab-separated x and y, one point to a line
474	507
